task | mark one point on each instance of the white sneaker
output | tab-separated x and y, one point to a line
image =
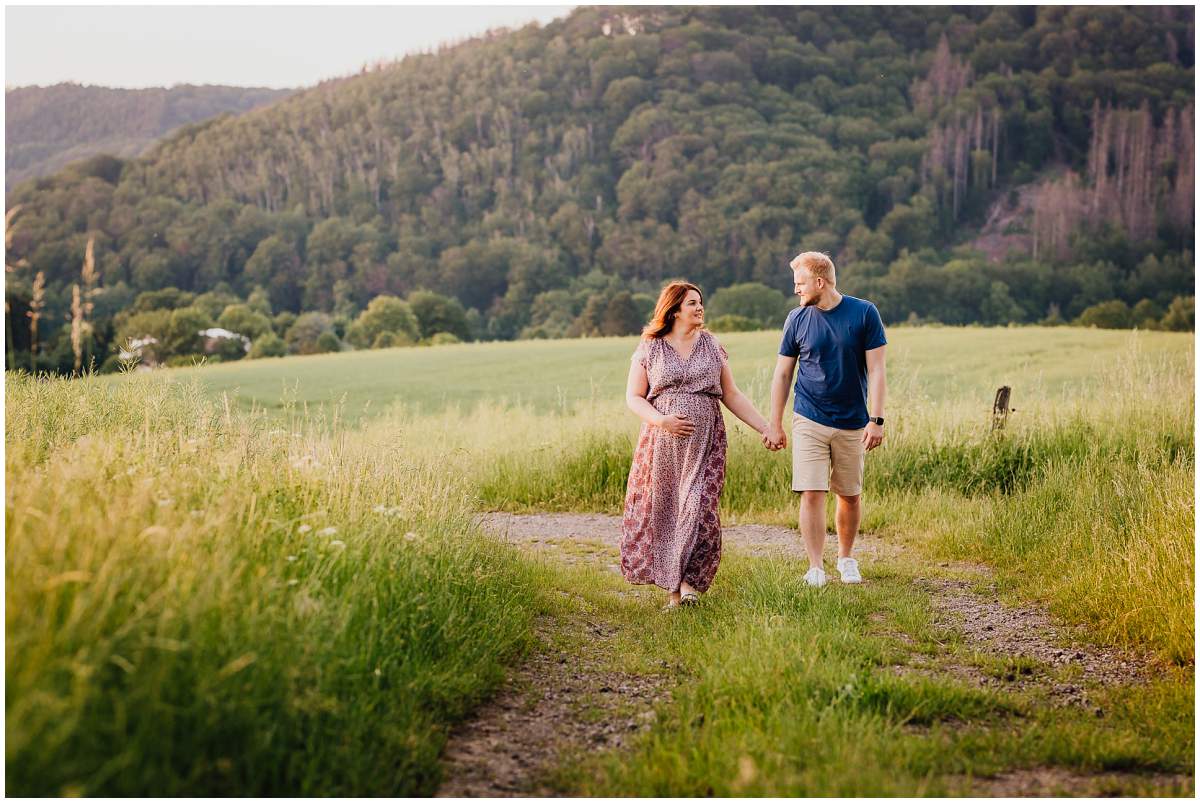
815	577
848	569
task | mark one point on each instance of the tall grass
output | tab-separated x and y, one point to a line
199	603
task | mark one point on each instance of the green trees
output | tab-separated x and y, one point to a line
504	175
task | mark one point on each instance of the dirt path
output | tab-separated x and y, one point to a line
550	707
514	740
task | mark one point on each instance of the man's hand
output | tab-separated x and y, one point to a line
872	436
774	439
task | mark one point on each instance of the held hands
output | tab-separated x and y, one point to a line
677	424
872	436
774	439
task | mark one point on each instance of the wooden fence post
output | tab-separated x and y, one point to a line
1000	408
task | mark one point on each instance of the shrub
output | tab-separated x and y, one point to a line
734	323
1106	315
1181	315
303	335
269	345
327	342
383	314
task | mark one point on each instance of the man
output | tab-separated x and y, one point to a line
839	343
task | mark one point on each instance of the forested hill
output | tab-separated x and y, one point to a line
46	128
535	175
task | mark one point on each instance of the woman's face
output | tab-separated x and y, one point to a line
691	312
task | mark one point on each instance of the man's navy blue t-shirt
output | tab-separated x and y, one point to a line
830	347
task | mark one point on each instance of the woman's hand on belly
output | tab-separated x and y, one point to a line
677	424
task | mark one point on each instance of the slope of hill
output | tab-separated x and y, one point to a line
46	128
533	175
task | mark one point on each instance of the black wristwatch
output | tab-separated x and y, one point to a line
878	421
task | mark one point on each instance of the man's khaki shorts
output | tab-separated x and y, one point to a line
826	458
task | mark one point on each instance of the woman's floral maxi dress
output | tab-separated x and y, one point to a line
671	530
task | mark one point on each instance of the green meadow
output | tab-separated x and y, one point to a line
263	578
927	364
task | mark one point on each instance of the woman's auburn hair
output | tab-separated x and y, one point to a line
670	300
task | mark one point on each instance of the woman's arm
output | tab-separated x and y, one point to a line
636	389
738	404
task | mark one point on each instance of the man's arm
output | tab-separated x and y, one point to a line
781	384
876	395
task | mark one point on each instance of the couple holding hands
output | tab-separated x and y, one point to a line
679	376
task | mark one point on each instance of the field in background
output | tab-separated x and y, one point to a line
181	618
925	364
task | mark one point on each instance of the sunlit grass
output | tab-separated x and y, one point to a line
198	603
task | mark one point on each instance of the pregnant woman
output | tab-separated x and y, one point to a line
671	531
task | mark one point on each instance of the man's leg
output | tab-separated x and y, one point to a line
812	526
849	514
846	481
810	479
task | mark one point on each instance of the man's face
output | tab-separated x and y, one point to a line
809	288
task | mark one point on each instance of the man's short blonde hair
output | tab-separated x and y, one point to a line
818	264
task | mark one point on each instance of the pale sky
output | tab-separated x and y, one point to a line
273	46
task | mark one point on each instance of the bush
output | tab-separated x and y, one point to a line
437	313
443	339
327	342
389	340
1106	315
229	349
242	319
302	337
269	345
751	300
191	360
734	323
384	314
1181	315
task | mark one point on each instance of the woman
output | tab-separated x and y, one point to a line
671	532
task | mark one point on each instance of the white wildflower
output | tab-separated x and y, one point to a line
293	582
339	544
411	536
291	558
327	531
303	528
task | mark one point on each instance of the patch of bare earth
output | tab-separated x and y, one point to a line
1040	651
556	703
1057	782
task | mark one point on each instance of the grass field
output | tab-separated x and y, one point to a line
927	364
182	620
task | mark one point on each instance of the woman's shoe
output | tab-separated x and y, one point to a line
689	598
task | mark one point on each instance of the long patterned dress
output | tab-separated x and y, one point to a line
671	530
